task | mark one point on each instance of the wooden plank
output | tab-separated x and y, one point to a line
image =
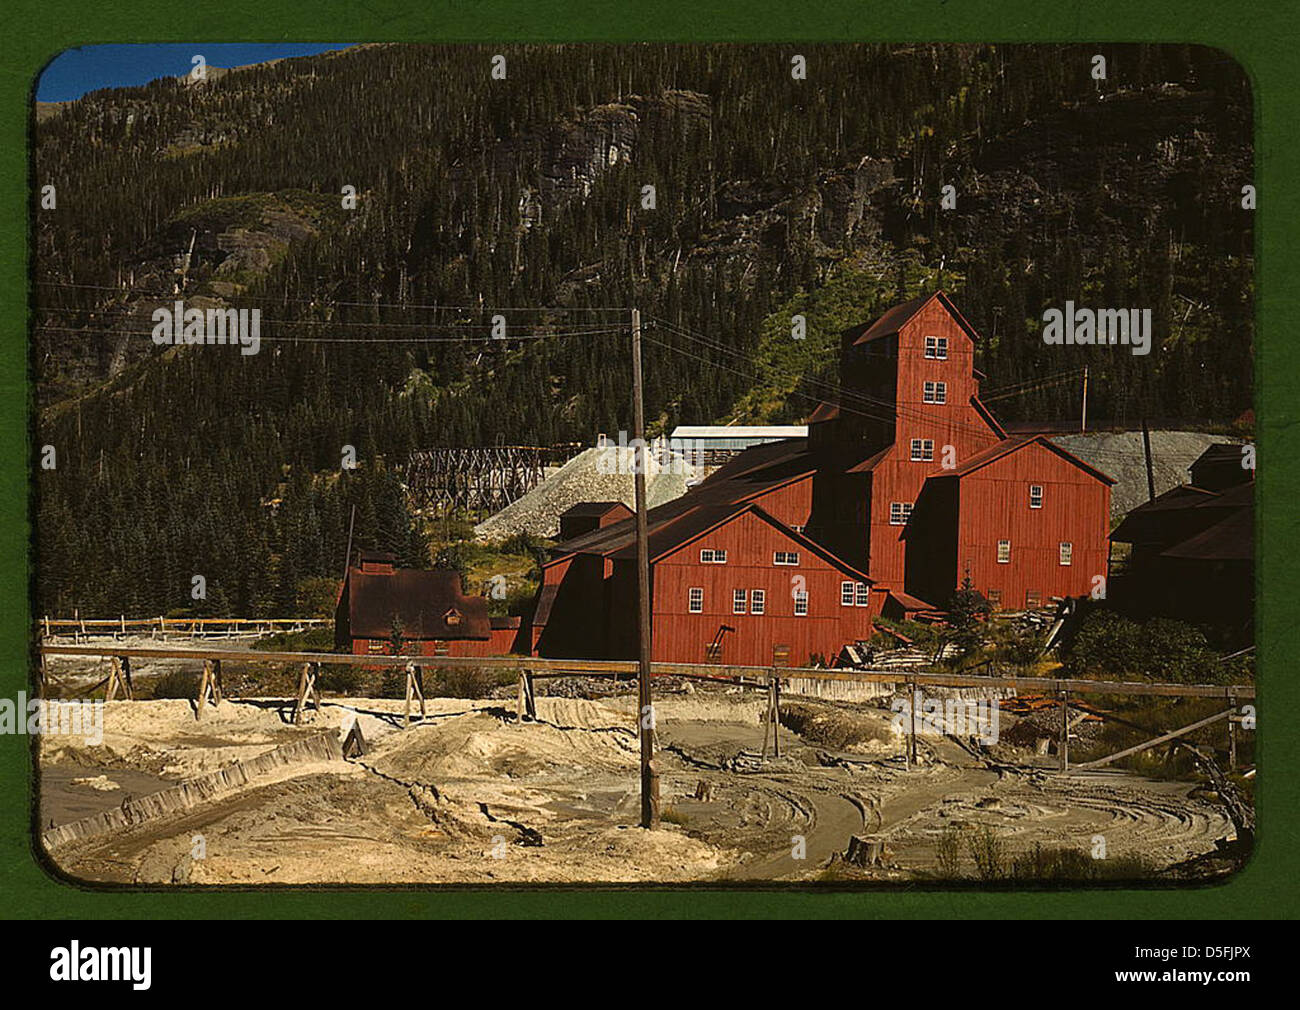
1147	745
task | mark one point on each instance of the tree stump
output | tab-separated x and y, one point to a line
865	850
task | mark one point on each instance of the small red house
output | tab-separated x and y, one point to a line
592	515
428	609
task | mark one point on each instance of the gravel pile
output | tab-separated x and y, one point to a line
582	480
1121	456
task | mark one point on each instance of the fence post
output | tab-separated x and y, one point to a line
1065	731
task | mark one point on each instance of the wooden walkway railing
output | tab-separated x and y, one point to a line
191	627
541	668
531	668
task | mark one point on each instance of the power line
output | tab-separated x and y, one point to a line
434	306
358	324
893	410
752	377
351	340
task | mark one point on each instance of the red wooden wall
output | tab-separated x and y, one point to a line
680	636
994	505
956	423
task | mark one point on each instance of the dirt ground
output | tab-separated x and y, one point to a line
471	796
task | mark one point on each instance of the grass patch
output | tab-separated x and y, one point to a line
318	639
981	854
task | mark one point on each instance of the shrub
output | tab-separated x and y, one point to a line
948	852
1106	644
1110	645
469	682
341	679
988	853
317	597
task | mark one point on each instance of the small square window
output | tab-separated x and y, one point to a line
936	348
1004	552
922	450
899	513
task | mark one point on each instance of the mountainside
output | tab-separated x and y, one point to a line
477	197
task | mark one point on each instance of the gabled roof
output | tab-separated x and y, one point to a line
429	605
871	462
824	411
672	537
593	509
749	475
988	417
1219	453
1009	445
1230	539
893	320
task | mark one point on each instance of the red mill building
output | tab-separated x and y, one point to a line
899	491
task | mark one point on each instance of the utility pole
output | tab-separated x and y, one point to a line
1146	447
347	555
645	707
1083	423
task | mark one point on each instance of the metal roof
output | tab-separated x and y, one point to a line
740	431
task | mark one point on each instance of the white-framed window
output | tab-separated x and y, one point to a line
863	595
800	603
710	556
785	557
757	601
1035	496
739	601
934	392
922	450
846	594
1067	552
1004	552
695	599
937	348
797	529
899	513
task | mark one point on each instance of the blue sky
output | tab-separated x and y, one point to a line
76	71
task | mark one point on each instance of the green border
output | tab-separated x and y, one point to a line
1263	37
